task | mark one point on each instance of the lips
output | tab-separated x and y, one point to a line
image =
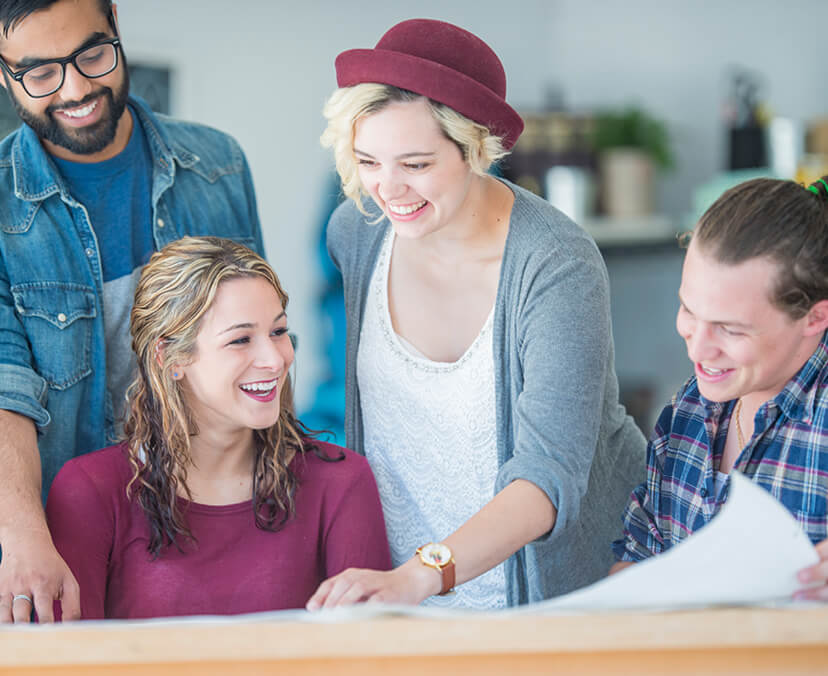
712	374
86	113
262	390
405	212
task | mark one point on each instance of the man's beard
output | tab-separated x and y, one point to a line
82	140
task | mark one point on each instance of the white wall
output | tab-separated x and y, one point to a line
261	70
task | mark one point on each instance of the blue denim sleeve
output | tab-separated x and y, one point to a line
22	390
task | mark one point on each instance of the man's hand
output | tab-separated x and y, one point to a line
31	567
409	584
816	577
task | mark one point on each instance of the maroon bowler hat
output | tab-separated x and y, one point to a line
443	62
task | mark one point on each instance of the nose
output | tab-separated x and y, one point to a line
700	343
75	85
274	354
390	185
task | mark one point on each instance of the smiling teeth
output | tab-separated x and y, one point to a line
712	372
408	209
80	112
260	387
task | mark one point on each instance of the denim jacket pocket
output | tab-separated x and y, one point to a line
58	318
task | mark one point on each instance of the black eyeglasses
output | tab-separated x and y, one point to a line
46	77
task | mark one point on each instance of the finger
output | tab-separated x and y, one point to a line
22	610
813	594
339	587
343	584
354	594
822	549
70	600
44	605
316	601
5	608
816	573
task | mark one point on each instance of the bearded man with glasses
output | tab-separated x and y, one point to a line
91	185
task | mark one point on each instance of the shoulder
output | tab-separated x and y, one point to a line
349	225
686	409
7	157
543	239
106	471
338	466
193	144
6	148
352	237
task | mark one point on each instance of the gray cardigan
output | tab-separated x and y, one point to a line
559	423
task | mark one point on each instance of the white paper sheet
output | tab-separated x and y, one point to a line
749	554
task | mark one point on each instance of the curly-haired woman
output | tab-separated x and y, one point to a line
217	501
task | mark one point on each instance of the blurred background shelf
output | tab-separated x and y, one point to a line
651	233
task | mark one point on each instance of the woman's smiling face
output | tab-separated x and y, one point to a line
414	173
242	357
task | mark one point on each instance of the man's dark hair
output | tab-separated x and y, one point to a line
779	220
12	12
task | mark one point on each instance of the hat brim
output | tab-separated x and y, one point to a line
435	81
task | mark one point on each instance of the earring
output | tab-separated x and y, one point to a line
175	374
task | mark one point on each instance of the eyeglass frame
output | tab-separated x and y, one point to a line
72	58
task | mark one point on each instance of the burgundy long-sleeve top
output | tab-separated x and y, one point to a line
234	567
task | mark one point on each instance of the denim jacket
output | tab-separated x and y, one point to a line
52	347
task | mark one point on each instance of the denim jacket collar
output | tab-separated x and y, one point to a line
36	177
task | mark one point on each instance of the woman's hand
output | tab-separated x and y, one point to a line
409	584
818	573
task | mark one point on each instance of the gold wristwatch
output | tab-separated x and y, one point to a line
437	555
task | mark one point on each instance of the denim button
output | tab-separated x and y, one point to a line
61	317
160	222
90	253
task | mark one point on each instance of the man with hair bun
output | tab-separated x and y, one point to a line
90	185
753	312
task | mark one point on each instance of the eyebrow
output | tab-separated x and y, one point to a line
741	325
403	156
28	61
248	325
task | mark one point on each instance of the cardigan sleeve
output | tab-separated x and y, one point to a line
564	346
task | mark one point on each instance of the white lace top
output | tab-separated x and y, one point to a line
429	436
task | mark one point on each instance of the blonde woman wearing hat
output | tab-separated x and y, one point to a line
480	375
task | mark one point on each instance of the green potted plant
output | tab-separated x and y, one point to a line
630	144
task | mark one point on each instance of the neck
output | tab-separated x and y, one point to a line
221	455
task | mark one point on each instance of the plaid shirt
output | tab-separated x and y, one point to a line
787	456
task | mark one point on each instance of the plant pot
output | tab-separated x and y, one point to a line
627	182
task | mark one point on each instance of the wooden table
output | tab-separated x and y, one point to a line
732	641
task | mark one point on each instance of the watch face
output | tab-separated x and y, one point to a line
435	554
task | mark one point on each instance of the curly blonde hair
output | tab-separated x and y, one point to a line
480	148
176	289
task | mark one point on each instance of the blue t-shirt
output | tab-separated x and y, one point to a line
117	196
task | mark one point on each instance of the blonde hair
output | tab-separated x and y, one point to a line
347	105
176	289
